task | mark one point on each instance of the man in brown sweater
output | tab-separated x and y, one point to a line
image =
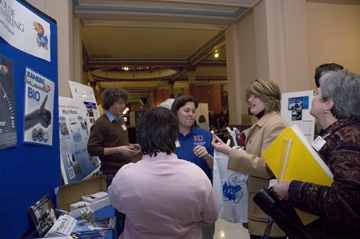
109	136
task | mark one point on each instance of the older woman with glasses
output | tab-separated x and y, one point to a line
336	106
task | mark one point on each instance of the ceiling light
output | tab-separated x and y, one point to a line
216	55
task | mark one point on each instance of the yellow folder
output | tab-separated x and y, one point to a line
291	157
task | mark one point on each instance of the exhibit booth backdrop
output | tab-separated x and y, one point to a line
29	127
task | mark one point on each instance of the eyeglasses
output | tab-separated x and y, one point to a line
315	92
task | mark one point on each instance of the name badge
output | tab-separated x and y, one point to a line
177	143
318	143
124	127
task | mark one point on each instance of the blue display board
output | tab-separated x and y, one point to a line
28	171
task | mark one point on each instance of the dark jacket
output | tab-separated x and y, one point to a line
339	205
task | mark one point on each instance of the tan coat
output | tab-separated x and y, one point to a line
258	137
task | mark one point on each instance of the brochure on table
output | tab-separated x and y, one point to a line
86	94
76	163
105	223
63	226
295	109
42	214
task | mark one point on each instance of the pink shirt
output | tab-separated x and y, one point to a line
163	197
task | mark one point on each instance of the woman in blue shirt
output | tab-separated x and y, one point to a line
194	143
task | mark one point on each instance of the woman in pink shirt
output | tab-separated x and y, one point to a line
161	195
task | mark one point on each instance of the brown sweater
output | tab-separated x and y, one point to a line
106	134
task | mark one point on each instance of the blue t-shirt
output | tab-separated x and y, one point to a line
196	136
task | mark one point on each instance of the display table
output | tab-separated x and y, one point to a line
108	211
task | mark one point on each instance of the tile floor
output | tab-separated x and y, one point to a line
228	230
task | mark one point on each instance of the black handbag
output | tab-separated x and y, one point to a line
280	212
269	203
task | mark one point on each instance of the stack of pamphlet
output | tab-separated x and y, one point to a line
95	229
105	223
95	197
63	226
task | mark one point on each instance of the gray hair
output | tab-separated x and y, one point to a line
343	87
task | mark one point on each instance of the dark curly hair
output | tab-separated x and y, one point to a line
112	95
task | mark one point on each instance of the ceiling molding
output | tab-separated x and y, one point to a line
165	34
206	12
344	2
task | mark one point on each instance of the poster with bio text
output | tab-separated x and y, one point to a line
76	163
39	108
7	104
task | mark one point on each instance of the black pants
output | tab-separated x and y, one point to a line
259	237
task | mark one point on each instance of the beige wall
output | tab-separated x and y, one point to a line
235	86
333	36
284	41
280	40
241	65
266	45
61	11
281	43
68	56
248	58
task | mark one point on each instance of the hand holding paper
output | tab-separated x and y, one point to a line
291	157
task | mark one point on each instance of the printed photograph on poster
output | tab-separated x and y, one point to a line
297	105
8	136
39	108
295	109
87	96
91	111
76	163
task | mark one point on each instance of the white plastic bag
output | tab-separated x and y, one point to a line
231	189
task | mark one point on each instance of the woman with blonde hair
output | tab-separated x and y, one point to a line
263	98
